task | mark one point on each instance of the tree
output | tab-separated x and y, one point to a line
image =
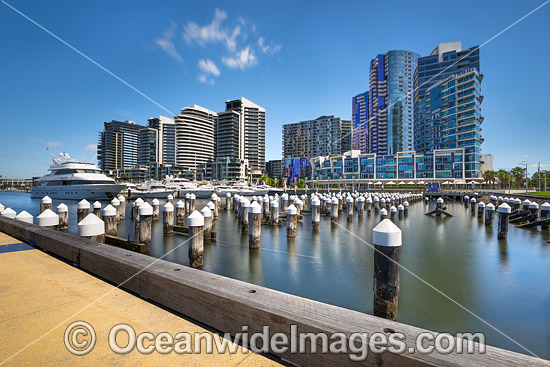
518	175
302	183
535	179
503	177
489	177
263	178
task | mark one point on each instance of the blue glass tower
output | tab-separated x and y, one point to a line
447	103
360	121
391	112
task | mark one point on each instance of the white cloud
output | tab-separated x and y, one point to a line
91	147
167	45
203	78
50	143
268	49
209	67
242	60
210	33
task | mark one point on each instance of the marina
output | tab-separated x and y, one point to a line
496	279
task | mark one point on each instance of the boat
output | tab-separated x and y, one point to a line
72	179
183	186
150	190
222	190
261	190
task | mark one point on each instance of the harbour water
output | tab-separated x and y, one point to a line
470	281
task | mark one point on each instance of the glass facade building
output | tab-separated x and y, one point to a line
390	106
447	108
360	121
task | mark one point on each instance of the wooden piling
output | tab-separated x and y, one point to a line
110	220
489	214
383	214
82	210
292	221
47	219
228	201
206	212
168	218
92	228
504	211
315	213
97	209
245	206
254	225
195	222
180	213
122	209
274	213
45	203
334	210
63	213
545	214
387	239
480	210
349	208
156	209
115	203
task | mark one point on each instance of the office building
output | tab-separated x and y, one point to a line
391	110
118	145
148	153
448	103
166	146
194	129
274	168
322	136
360	121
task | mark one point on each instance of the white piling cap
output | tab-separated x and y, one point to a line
504	208
481	204
97	205
254	198
24	217
386	233
334	200
192	197
490	207
145	209
2	207
473	200
400	207
255	208
545	207
195	219
155	202
315	201
393	209
180	204
369	200
468	198
349	199
533	205
46	200
62	208
291	210
187	195
382	200
115	202
47	218
91	226
440	200
426	198
517	201
383	211
360	198
214	197
228	195
206	212
121	198
211	205
500	198
170	197
297	200
168	207
266	199
109	211
10	213
526	202
139	201
245	203
83	204
405	203
275	204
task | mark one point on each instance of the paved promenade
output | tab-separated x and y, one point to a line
40	296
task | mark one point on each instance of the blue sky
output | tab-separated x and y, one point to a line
299	60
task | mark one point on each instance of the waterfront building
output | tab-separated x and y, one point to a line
148	146
322	136
118	145
194	129
274	168
360	121
391	110
166	136
447	108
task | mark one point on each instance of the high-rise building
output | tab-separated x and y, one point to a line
118	145
360	120
249	142
274	168
322	136
448	103
194	129
391	110
148	146
166	146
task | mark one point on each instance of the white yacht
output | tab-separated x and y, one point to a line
150	190
183	186
261	190
71	179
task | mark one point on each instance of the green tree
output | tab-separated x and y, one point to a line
535	179
489	177
518	176
263	178
503	176
302	183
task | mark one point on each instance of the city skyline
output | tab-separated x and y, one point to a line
61	99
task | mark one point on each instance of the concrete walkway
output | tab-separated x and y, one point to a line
40	296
